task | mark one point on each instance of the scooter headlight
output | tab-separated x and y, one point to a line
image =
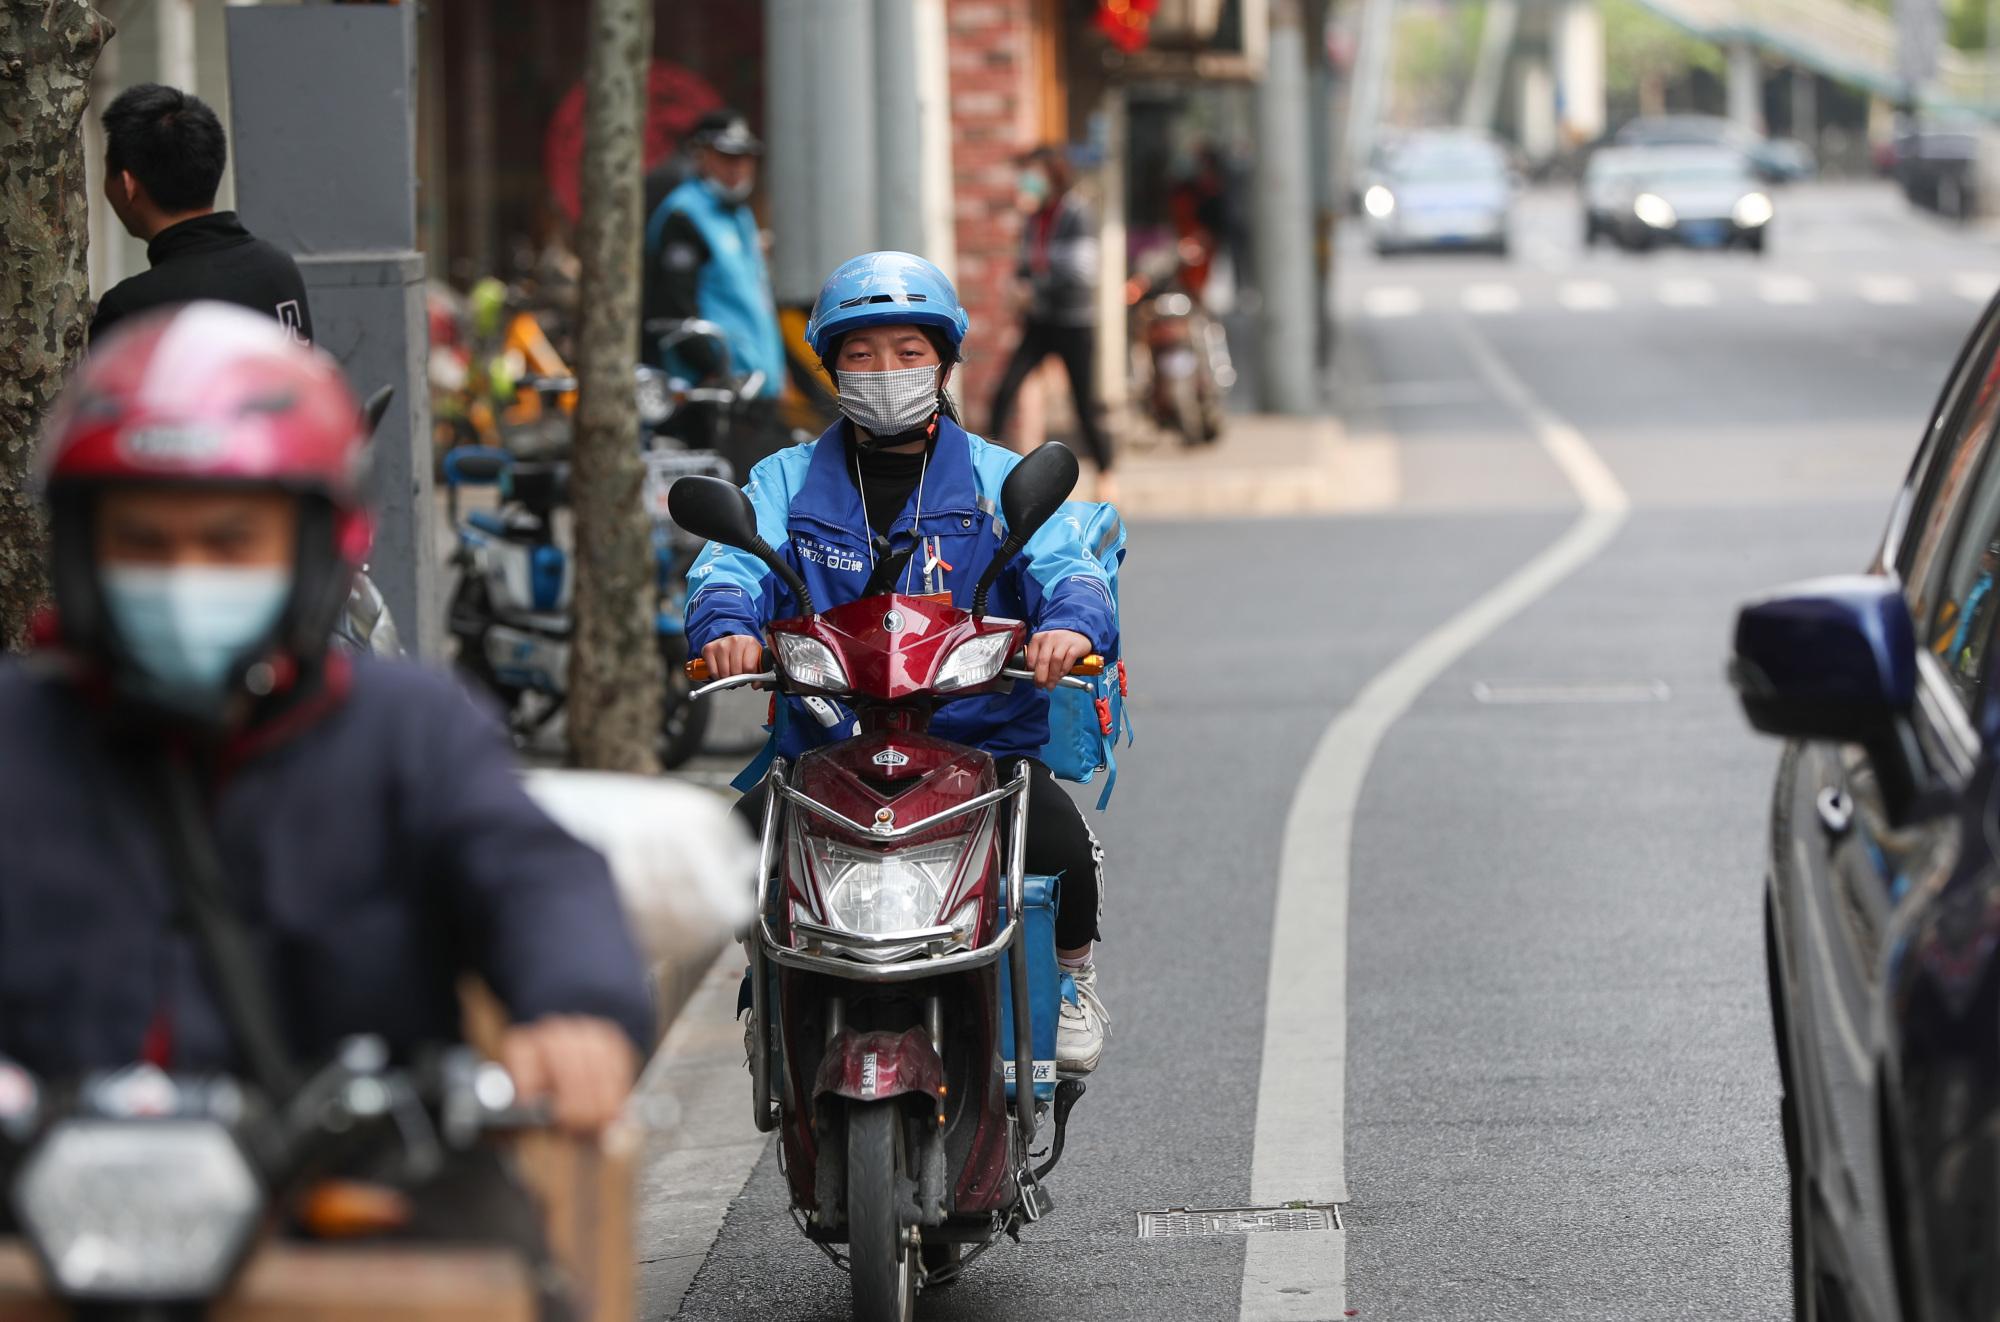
974	661
159	1209
1379	202
809	662
875	894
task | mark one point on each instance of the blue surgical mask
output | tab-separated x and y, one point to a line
185	628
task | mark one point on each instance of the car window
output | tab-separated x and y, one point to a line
1957	546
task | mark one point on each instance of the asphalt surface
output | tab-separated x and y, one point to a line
1560	1095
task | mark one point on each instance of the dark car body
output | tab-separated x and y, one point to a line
1883	899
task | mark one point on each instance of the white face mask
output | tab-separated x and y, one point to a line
890	403
186	627
735	195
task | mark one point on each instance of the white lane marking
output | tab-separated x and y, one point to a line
1490	300
1787	290
1888	289
1299	1149
1977	286
1586	295
1391	301
1686	293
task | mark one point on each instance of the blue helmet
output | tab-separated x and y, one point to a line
884	289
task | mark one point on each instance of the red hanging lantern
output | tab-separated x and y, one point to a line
1126	24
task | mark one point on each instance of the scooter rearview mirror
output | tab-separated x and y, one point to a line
376	408
719	511
1029	498
1036	489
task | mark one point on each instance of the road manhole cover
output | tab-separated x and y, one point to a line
1186	1222
1504	694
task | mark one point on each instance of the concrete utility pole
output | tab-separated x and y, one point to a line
615	675
936	194
323	130
789	147
1578	33
1284	221
1746	87
1374	58
899	126
1496	43
844	208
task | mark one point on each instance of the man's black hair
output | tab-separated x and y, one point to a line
170	141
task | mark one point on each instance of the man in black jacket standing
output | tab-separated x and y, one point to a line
163	160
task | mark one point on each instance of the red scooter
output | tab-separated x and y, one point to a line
902	963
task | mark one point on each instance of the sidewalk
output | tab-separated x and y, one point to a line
1263	465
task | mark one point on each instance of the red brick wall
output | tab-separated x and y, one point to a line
992	120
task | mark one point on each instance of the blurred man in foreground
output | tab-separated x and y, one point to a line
185	768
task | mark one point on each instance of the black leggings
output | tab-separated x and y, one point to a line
1077	347
1060	844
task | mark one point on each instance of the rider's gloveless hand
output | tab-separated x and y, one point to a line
582	1065
737	654
1052	654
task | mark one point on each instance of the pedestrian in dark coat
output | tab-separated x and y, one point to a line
163	159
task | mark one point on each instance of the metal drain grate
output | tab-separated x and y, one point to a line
1186	1222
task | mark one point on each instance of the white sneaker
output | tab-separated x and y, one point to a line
1084	1027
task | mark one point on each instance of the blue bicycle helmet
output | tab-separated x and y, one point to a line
884	289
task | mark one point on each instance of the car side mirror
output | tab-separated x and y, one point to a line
717	510
1834	659
1029	498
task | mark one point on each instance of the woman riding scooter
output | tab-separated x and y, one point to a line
897	496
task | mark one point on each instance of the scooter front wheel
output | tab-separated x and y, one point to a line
881	1260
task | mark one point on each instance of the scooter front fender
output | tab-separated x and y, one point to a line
871	1067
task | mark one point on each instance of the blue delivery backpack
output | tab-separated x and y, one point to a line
1084	726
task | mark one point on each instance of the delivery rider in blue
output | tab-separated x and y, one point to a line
897	473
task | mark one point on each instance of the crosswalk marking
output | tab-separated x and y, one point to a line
1787	290
1489	300
1392	301
1686	293
1586	295
1978	286
1887	289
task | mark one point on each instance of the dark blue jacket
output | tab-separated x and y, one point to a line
377	850
809	508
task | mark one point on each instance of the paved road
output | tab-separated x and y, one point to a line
1559	1098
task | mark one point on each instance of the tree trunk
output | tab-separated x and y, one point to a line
615	676
47	51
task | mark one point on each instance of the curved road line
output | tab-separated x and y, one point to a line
1301	1131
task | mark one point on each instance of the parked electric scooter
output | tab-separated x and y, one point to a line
511	612
903	969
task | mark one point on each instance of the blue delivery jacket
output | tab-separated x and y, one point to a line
379	845
809	509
